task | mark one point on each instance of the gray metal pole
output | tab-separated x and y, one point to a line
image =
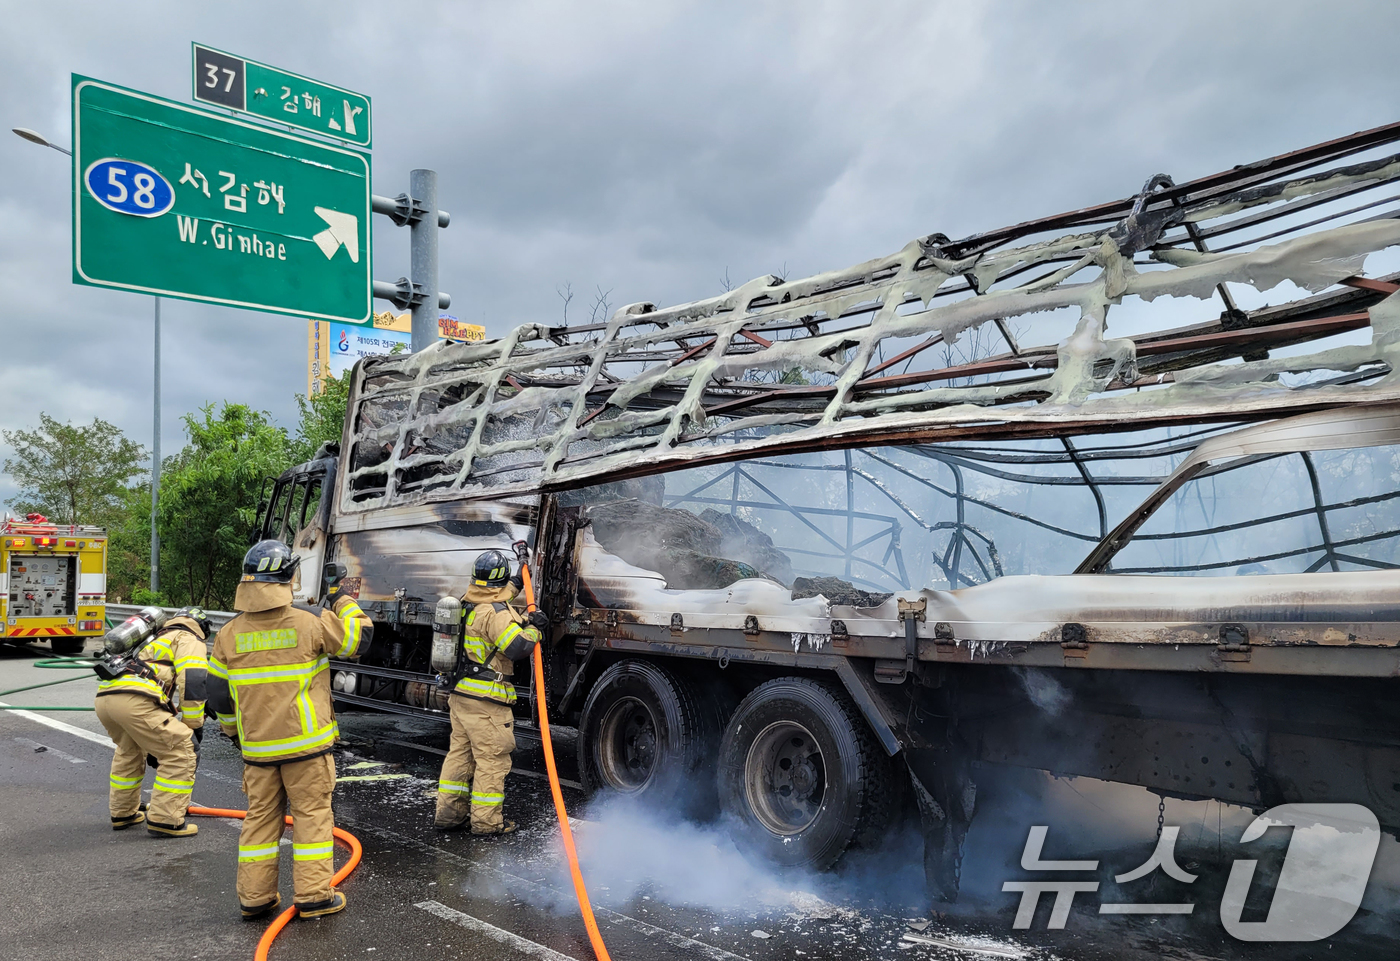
423	258
155	463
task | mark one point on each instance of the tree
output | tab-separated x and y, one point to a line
129	545
322	416
72	474
209	499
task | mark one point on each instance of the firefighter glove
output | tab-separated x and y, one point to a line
333	573
539	620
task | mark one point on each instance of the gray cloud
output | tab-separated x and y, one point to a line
648	148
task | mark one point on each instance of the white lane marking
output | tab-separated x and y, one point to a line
57	725
500	935
517	882
36	746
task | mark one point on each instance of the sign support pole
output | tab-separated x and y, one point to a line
155	462
423	258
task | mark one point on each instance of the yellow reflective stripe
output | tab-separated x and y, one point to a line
157	650
191	709
508	635
312	852
123	783
217	669
454	787
475	645
278	672
350	616
494	689
257	852
174	787
305	710
325	735
132	682
487	800
181	663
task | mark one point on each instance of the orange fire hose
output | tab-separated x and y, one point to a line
286	916
600	950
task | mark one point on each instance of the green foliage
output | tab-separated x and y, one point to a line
322	417
209	500
129	545
145	596
72	474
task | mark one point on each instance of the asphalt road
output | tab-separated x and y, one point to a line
72	888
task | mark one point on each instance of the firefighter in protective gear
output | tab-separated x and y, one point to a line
269	686
157	710
471	788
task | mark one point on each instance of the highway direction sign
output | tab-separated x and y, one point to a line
255	88
173	200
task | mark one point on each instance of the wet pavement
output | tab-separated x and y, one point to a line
662	890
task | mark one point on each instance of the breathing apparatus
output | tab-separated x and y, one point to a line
447	653
122	645
448	656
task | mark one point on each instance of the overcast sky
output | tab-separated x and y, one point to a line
650	148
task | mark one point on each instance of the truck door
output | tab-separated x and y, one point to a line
298	515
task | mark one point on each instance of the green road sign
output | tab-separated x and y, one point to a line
176	201
255	88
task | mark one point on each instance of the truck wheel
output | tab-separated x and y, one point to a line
645	734
800	775
67	645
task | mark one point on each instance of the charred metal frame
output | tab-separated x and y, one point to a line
784	366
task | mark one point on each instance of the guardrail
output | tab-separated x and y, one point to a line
120	612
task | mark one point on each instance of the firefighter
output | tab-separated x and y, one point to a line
471	788
269	686
155	710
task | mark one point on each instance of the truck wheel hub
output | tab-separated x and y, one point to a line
785	778
626	751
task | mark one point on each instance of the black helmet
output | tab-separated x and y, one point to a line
271	562
197	615
492	569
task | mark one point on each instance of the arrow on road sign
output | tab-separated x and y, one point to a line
340	229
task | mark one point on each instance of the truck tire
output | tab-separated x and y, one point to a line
801	778
64	646
646	734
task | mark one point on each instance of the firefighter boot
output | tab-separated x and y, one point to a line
319	909
122	823
507	827
185	829
253	912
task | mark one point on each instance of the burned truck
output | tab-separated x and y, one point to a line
812	551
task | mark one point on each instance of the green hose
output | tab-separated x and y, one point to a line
16	707
33	687
66	663
58	663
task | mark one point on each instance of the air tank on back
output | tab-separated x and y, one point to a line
447	635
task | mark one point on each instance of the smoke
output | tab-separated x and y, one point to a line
634	854
1045	691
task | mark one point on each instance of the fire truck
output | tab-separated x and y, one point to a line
53	581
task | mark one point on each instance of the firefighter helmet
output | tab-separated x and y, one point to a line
491	570
197	615
270	561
